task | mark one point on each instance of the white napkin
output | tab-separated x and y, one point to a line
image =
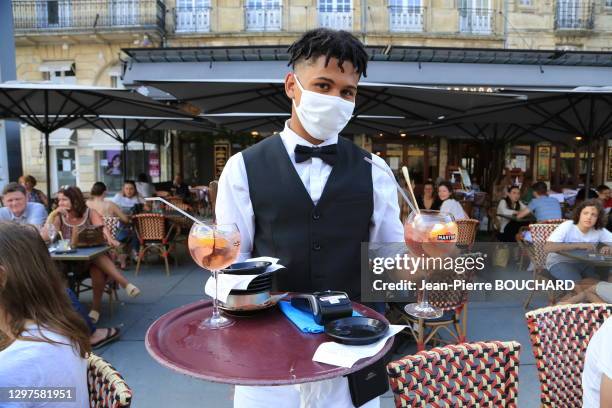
346	356
228	282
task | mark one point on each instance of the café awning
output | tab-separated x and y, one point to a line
49	107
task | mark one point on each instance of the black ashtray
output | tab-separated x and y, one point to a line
356	330
247	268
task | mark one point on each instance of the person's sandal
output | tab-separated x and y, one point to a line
132	290
112	334
94	315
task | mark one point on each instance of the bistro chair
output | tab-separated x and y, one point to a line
481	374
560	336
467	232
454	305
106	387
152	233
213	187
537	252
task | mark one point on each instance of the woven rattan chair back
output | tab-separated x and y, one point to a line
106	387
150	227
481	374
560	336
539	235
467	231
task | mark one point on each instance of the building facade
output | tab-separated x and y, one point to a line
80	41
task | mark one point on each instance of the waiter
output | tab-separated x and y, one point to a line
308	197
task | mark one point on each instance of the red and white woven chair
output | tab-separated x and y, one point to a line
107	388
560	336
481	374
537	253
152	234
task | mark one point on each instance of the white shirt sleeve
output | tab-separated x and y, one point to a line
453	207
234	205
605	236
385	224
560	233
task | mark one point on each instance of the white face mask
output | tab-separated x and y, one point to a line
322	116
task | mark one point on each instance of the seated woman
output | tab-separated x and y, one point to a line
107	208
34	195
584	231
128	197
510	206
597	372
429	200
449	204
72	212
43	341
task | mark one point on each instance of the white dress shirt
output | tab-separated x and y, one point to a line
234	205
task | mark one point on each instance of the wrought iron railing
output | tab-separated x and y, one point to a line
192	19
341	19
574	15
476	20
263	17
80	15
406	18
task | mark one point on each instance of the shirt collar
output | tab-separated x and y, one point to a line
291	139
23	216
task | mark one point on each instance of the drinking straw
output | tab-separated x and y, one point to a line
399	188
186	214
407	178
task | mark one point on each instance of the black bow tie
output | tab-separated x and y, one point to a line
326	153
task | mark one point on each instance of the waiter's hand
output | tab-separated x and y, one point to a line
606	250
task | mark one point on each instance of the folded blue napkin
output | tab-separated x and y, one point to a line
303	320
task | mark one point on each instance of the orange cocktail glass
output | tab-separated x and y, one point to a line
429	234
214	247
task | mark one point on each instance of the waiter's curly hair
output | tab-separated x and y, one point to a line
338	44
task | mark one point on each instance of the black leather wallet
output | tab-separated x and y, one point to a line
368	383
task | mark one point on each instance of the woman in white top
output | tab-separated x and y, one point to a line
597	372
43	341
510	206
449	204
128	197
584	231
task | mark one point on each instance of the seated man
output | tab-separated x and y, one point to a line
18	209
542	206
597	373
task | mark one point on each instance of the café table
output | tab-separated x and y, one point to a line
596	259
74	257
259	350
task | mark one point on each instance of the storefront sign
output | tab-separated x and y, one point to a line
543	168
481	89
153	164
221	155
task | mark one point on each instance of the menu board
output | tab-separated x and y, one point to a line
221	155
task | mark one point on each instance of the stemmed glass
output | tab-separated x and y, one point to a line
214	247
52	233
428	234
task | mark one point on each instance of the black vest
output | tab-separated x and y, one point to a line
319	245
